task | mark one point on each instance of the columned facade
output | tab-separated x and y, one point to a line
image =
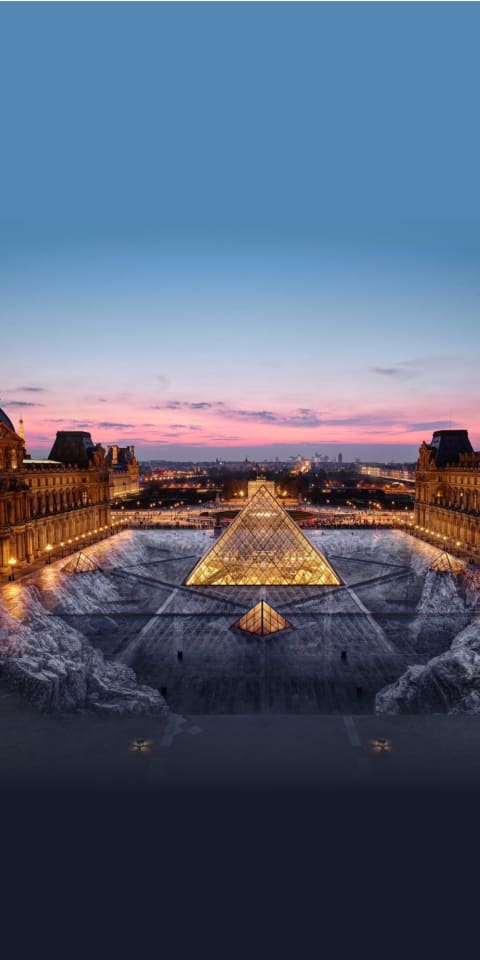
123	471
48	504
447	492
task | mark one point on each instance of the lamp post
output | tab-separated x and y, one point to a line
11	564
49	549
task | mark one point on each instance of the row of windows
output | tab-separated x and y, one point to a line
45	481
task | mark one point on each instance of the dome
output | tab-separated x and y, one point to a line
6	420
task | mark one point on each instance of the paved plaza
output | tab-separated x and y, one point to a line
344	645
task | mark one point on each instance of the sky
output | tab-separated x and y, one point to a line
240	229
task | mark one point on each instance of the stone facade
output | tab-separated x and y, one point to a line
123	471
447	492
255	485
49	502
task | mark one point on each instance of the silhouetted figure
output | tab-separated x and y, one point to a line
163	691
343	655
179	654
359	691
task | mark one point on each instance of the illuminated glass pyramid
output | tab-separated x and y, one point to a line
262	619
263	546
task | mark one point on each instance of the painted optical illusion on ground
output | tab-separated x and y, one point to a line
263	547
263	620
80	563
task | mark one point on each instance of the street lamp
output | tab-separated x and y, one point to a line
49	549
11	564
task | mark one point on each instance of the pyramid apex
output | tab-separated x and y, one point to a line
263	546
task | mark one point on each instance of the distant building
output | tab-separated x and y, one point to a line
123	471
340	458
254	485
447	491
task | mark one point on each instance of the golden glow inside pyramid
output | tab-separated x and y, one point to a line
262	619
263	547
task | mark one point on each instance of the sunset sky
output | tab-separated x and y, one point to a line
231	230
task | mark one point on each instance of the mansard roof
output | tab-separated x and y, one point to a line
448	445
73	447
6	420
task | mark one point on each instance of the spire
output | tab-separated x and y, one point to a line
21	430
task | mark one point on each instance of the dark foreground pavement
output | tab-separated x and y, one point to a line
237	750
252	821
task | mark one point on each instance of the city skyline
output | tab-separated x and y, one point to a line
261	246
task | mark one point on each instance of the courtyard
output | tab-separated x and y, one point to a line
345	642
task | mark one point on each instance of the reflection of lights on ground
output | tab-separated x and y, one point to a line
381	745
140	745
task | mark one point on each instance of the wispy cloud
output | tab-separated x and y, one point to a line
188	405
31	389
110	425
386	371
403	370
301	417
432	425
24	403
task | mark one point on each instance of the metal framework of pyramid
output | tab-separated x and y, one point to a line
80	563
262	619
263	547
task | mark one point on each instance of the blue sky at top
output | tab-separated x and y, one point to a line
267	208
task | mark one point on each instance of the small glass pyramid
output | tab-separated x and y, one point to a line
445	563
262	619
80	563
263	547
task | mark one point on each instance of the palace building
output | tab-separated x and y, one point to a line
447	492
45	504
123	471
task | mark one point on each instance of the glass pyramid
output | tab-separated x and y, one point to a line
263	546
262	619
445	563
80	563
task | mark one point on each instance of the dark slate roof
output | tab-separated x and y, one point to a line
125	457
73	447
6	420
449	444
